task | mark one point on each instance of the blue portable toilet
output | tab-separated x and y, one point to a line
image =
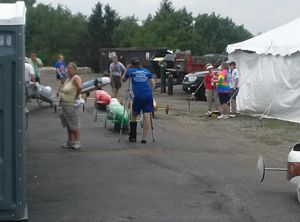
12	45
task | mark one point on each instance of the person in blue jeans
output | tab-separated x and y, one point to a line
142	85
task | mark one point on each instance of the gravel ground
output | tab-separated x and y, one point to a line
271	132
199	168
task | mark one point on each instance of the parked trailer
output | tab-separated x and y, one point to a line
185	63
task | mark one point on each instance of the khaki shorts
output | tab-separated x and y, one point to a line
116	82
70	116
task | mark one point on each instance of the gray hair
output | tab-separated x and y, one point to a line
73	65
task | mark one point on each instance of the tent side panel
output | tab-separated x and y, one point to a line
268	80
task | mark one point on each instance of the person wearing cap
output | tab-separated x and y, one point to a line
116	69
234	87
211	92
142	86
223	90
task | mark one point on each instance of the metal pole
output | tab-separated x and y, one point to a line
151	122
192	97
170	85
199	87
265	113
276	169
125	104
163	79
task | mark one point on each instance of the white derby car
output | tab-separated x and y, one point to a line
293	169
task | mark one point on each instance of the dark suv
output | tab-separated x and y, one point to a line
192	81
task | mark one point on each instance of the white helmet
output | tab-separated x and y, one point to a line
114	101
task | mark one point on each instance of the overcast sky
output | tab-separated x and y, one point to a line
255	15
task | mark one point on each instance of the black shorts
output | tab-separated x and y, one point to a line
224	97
234	93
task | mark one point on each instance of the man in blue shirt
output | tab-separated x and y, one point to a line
142	84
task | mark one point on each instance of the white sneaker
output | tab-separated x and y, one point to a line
232	115
208	113
223	116
76	145
67	145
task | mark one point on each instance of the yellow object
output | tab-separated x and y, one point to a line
154	105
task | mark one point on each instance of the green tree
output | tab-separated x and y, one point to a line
166	6
51	31
213	33
124	34
202	34
179	29
167	28
101	26
111	22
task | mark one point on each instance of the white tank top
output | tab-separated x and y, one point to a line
68	91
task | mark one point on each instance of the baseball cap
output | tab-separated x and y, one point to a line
135	61
209	66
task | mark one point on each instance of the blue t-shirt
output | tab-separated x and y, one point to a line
140	81
61	66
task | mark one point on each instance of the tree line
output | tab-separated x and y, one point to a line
51	31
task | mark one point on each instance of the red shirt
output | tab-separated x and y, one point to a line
207	82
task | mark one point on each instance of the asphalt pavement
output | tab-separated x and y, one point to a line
184	176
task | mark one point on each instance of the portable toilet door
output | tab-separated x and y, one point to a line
12	41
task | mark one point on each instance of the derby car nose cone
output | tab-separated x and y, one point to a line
105	80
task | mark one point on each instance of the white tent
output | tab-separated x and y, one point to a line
270	72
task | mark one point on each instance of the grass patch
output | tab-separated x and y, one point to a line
269	140
278	124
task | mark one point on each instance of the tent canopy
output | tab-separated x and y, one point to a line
269	72
12	14
284	40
